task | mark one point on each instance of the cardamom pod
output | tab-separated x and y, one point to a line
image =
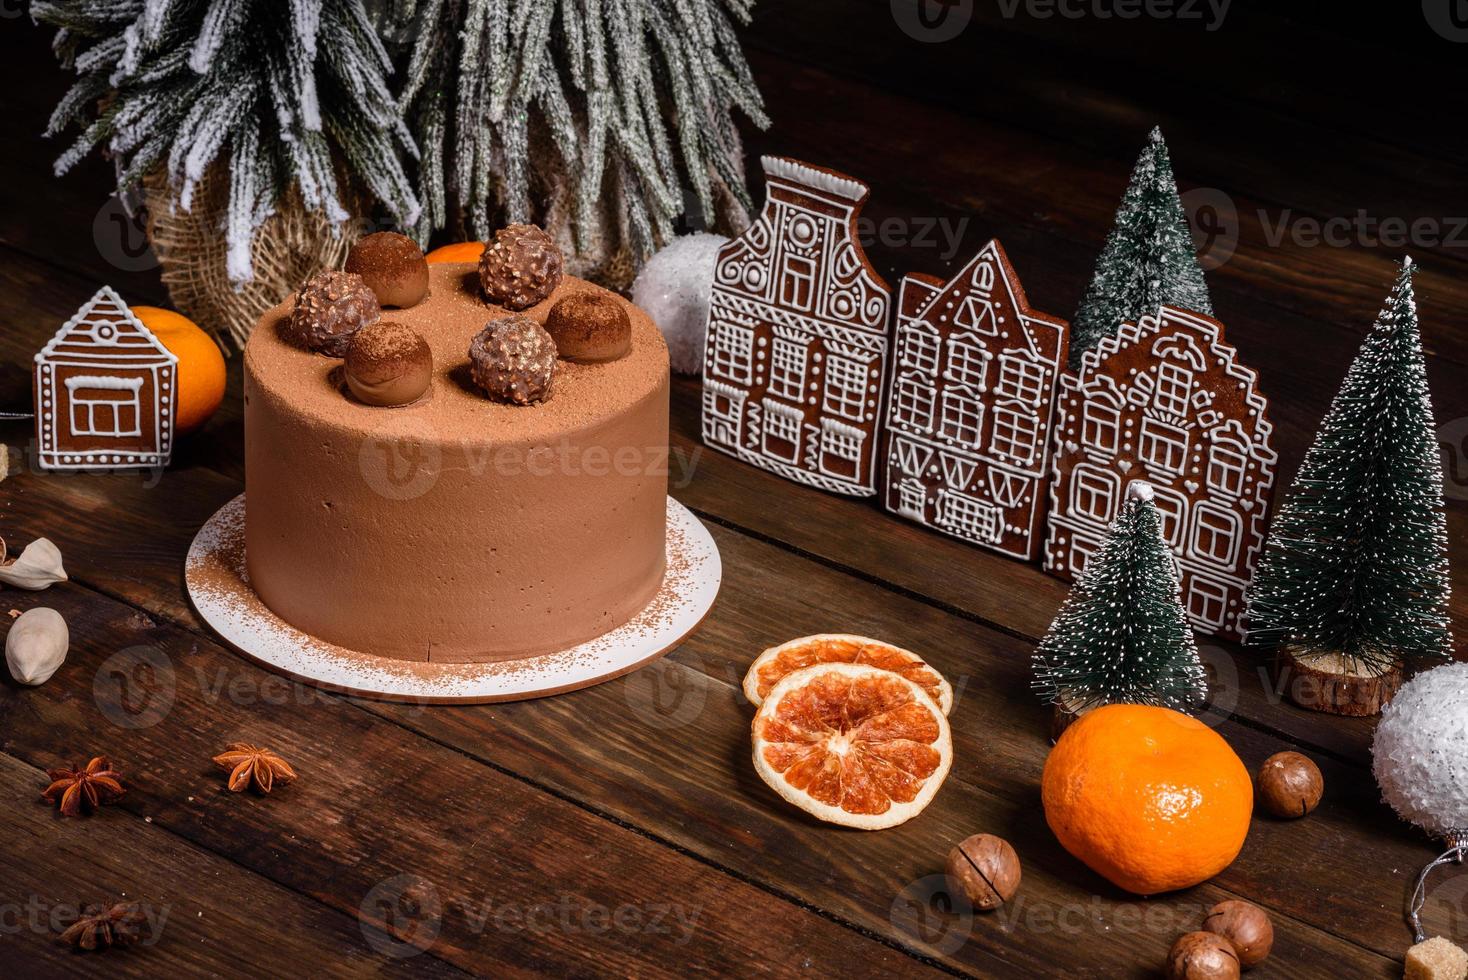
38	566
36	645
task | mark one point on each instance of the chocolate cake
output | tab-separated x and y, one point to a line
457	527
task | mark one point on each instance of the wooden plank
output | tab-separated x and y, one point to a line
523	881
206	916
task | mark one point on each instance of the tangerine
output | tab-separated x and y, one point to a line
456	252
1149	798
200	365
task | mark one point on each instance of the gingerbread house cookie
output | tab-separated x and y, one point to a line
971	405
797	336
1166	400
104	392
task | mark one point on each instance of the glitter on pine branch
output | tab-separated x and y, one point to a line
602	112
279	96
1356	559
1148	259
1121	636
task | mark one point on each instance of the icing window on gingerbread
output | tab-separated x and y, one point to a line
968	516
920	349
787	369
798	282
782	430
968	361
912	498
976	314
1008	489
840	447
912	457
723	405
1082	548
1207	601
1164	446
1022	378
963	414
1093	493
1016	432
1174	387
846	387
1226	465
105	406
1102	425
1170	509
732	354
915	402
1216	534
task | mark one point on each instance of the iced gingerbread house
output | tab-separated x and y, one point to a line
971	404
1165	400
797	336
104	391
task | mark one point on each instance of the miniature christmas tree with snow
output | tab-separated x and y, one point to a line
1122	635
1148	259
1353	584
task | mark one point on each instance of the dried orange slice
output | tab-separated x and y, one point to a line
852	744
825	648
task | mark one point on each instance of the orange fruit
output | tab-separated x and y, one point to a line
852	744
1147	797
776	662
200	365
457	252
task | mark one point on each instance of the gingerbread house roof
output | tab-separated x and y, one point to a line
105	331
1209	331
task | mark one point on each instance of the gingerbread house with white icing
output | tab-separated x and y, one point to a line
797	336
104	391
971	405
1166	400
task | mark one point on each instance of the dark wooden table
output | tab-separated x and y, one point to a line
621	830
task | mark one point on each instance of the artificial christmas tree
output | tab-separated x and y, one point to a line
1148	259
601	124
1121	635
1353	585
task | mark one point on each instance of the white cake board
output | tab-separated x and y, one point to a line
214	573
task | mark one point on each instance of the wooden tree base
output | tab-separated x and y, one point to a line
1062	719
1323	682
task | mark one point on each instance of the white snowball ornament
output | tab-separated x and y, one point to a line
674	288
1420	760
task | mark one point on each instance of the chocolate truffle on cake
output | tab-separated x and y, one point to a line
513	360
388	363
590	327
330	308
520	267
393	267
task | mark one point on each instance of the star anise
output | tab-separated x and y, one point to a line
249	765
101	927
80	791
